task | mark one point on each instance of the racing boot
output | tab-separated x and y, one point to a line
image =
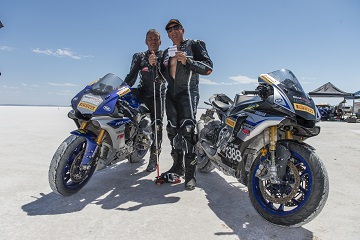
153	157
190	168
178	164
152	161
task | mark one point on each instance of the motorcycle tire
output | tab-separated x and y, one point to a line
137	155
300	197
65	178
204	164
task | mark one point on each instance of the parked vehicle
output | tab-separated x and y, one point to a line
259	140
112	126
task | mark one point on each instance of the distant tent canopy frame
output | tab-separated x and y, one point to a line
356	95
329	90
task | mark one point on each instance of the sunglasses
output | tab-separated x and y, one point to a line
170	29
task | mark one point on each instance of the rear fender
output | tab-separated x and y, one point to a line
90	144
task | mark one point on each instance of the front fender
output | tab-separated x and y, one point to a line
90	144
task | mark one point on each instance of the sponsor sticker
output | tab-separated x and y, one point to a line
230	122
107	108
301	99
91	99
245	131
267	79
123	91
93	82
88	106
304	108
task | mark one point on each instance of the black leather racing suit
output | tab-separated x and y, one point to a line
145	90
182	97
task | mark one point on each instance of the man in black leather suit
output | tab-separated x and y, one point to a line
145	90
181	68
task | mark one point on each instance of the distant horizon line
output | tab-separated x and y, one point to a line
32	105
43	105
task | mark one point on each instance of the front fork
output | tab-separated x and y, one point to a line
93	143
272	169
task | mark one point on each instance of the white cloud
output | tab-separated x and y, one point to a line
207	82
243	79
62	84
60	53
307	80
65	93
9	87
236	80
6	48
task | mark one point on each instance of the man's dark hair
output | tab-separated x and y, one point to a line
153	31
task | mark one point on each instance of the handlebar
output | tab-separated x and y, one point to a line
256	92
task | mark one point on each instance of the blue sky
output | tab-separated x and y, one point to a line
49	50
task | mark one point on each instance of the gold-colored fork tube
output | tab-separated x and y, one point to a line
288	135
99	139
273	138
84	125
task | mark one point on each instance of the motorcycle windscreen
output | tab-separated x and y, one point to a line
294	96
100	94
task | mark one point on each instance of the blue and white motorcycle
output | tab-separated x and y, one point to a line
259	139
112	126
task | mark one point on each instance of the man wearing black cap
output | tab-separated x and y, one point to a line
145	90
181	65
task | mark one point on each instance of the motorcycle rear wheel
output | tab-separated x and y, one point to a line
301	196
65	177
138	154
204	164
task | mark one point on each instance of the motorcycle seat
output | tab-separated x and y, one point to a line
221	105
245	99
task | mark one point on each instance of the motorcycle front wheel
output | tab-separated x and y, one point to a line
65	175
301	194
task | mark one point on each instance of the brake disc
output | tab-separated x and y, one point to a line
281	198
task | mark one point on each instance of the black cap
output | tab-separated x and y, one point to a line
173	21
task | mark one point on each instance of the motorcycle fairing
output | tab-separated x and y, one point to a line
75	101
116	123
280	97
255	124
90	144
89	103
109	123
282	100
108	106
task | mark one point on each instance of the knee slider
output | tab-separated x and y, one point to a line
188	131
